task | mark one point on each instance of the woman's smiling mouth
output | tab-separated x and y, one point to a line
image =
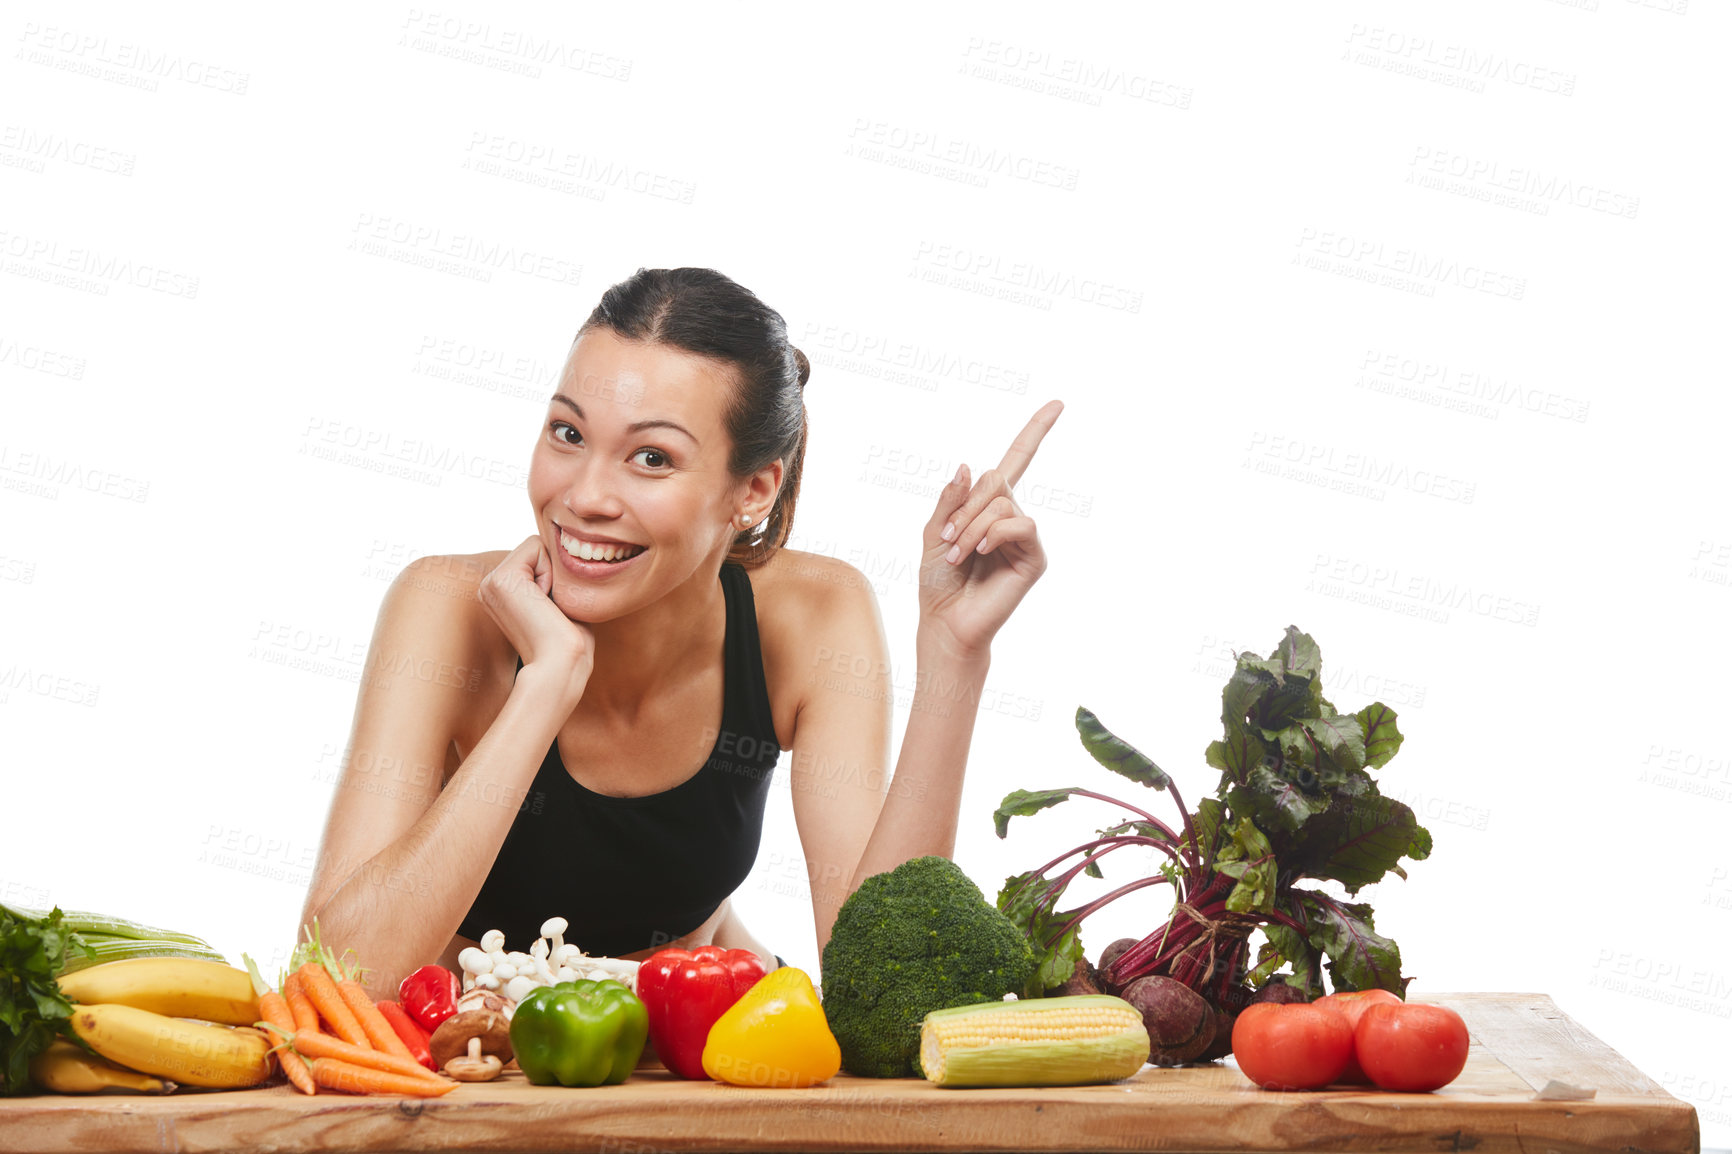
585	549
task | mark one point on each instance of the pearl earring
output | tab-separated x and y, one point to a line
745	520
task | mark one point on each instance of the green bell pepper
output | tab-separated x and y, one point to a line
581	1033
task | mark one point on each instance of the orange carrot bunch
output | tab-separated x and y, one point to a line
331	1034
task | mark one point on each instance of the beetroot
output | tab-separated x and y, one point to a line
1180	1023
1108	955
1275	990
1223	1043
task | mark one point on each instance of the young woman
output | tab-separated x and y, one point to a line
586	726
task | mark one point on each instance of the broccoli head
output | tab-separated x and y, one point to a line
915	939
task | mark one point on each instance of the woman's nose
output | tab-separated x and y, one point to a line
593	491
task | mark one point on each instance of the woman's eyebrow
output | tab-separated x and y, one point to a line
635	426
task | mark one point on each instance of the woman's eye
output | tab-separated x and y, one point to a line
652	458
560	430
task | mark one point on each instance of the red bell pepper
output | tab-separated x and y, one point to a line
685	992
409	1030
429	995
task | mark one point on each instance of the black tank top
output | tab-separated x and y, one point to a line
630	873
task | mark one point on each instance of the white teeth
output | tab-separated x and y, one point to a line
585	551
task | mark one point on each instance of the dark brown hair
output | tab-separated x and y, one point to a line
701	311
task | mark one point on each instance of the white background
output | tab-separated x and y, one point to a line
1402	323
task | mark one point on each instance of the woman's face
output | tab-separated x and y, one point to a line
629	478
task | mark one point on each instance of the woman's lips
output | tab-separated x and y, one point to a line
608	551
591	559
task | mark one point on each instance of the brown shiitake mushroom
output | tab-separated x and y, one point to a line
472	1046
479	999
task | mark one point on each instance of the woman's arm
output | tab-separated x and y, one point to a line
920	814
981	555
402	859
854	820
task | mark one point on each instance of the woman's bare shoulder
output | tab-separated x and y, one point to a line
450	573
436	599
796	587
436	642
813	612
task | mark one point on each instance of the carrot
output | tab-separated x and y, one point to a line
306	1017
325	998
338	1075
378	1030
325	1046
276	1013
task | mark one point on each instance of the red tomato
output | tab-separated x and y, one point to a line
1352	1006
1411	1047
1296	1046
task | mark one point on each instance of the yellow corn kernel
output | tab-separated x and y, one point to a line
1038	1042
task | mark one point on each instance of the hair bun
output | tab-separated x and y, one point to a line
805	366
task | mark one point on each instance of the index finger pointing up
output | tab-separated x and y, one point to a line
1021	450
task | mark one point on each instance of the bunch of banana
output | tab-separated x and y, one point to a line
65	1068
134	1013
172	987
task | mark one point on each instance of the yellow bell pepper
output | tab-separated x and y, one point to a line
775	1035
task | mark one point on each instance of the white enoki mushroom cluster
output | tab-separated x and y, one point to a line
550	959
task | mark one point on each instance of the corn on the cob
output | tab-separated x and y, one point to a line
1038	1042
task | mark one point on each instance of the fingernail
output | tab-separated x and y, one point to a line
957	480
954	555
980	548
949	531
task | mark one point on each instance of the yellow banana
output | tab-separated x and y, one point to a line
173	987
192	1053
66	1069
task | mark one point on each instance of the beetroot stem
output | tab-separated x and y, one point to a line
1128	887
1050	898
1144	814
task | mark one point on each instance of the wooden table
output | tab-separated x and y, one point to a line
1520	1043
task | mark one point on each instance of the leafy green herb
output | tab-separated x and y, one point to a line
33	1011
1295	800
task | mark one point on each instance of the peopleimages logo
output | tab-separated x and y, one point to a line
546	164
1426	58
1668	981
42	474
46	257
1066	77
1542	188
1413	594
1020	282
1370	257
134	65
462	253
351	444
904	362
1359	473
1461	389
507	49
36	149
882	141
37	359
56	686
